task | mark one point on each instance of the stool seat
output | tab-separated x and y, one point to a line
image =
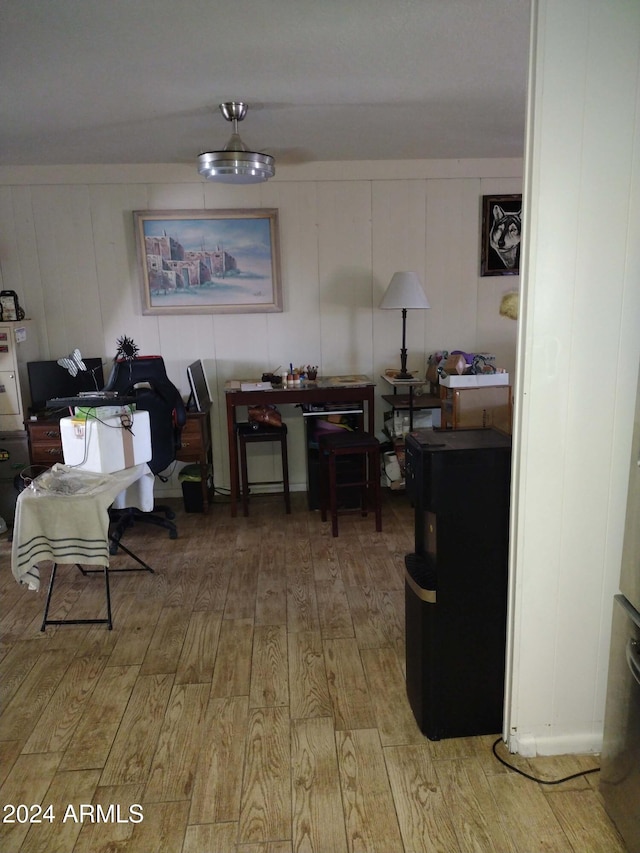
352	442
363	444
263	431
255	432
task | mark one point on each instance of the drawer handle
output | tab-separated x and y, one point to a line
54	451
52	433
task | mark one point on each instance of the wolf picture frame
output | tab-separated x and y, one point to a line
501	234
209	261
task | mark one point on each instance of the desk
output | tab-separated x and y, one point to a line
335	389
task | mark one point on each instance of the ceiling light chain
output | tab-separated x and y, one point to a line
235	164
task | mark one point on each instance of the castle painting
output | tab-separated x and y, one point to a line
224	261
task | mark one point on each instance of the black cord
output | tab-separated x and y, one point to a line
533	778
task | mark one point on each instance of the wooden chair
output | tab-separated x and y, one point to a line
255	433
365	448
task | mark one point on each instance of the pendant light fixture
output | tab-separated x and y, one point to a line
235	164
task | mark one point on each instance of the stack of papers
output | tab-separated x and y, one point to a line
255	386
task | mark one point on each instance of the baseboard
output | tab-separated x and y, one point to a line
529	745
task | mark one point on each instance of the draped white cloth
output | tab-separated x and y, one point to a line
63	516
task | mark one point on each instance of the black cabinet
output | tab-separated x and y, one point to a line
456	581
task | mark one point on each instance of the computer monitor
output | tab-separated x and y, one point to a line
200	398
47	380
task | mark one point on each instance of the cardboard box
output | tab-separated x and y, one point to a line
475	408
105	445
473	380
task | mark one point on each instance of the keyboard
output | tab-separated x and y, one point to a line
89	401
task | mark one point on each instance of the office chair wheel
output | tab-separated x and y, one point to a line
173	534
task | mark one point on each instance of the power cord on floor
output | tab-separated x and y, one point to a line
535	779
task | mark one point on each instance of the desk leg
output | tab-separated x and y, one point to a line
411	408
370	410
233	456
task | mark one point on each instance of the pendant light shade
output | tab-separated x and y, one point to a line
235	164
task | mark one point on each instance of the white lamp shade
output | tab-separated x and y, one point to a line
405	291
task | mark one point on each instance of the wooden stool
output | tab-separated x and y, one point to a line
253	433
356	444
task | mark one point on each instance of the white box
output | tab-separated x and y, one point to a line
105	445
472	380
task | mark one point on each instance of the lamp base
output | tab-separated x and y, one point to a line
403	375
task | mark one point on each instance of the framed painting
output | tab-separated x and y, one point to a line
208	261
500	237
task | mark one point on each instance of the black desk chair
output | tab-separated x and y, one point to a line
146	379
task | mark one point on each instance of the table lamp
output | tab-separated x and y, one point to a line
404	291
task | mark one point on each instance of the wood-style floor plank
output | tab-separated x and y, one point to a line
308	687
348	688
424	815
56	726
369	812
67	792
218	783
316	788
122	804
131	754
198	655
27	782
269	667
172	770
584	821
29	701
265	812
475	813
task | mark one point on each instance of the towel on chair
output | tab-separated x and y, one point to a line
63	516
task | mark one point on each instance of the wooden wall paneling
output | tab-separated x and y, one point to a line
452	262
20	266
344	215
64	236
112	207
398	243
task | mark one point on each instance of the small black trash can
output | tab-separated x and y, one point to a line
191	480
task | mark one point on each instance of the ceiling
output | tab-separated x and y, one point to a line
140	81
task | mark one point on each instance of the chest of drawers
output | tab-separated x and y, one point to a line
45	443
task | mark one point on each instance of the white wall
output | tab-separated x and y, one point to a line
67	248
578	361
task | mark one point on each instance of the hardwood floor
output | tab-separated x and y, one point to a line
250	699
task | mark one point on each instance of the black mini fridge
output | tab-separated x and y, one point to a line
456	581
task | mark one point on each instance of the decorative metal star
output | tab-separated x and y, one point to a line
127	349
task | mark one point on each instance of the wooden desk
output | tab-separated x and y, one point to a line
335	389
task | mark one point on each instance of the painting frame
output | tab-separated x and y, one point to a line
501	214
209	261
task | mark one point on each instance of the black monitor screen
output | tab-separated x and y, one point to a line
200	395
48	380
